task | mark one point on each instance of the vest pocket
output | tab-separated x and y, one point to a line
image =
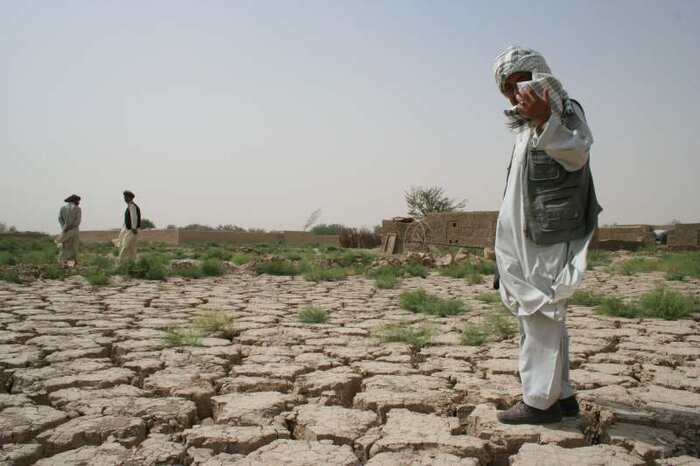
559	210
542	167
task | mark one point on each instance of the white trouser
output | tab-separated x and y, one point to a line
127	242
544	360
68	243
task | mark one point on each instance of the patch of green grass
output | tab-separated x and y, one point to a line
242	258
213	321
665	303
148	267
11	276
385	271
636	265
213	268
182	336
488	297
414	269
54	272
614	306
277	267
96	277
193	271
597	258
458	270
424	303
586	298
475	278
386	282
312	315
216	253
485	267
318	274
7	258
414	335
497	325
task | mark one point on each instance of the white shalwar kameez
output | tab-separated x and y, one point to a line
537	280
128	240
69	218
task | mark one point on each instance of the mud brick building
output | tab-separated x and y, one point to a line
684	236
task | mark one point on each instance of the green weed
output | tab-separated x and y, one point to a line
312	315
213	321
586	298
318	274
424	303
213	268
416	336
277	267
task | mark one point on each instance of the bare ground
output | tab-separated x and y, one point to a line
86	380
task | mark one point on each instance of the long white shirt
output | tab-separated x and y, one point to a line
69	216
540	278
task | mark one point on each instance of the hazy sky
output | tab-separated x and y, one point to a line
256	113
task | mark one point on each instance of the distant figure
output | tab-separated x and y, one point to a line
128	237
545	225
69	218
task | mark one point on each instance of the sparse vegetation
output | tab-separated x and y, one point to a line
149	267
96	277
318	274
660	303
277	267
597	258
424	303
676	265
488	297
586	298
11	276
386	282
213	268
312	315
415	335
210	321
497	325
182	336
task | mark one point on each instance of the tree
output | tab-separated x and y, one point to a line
422	201
197	226
147	224
313	218
171	227
229	227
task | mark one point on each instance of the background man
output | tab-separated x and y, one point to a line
545	226
128	239
69	218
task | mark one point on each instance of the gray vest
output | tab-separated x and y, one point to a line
560	205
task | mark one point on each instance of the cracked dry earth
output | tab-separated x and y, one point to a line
85	379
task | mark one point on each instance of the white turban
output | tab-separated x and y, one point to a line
516	59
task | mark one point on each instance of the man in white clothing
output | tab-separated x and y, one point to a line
128	237
69	218
545	225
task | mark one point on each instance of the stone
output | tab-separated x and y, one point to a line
242	384
87	430
411	458
505	440
646	442
420	393
552	455
300	453
157	450
20	424
233	439
406	430
16	454
341	425
251	409
183	382
107	454
342	381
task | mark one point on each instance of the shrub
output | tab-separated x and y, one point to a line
406	332
458	270
54	273
217	253
415	269
213	321
668	304
496	326
586	298
386	282
636	265
424	303
485	267
312	315
276	267
598	257
242	258
318	274
182	336
213	268
147	267
11	276
6	258
489	297
191	271
475	278
96	278
614	306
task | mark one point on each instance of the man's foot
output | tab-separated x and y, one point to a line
569	406
525	414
